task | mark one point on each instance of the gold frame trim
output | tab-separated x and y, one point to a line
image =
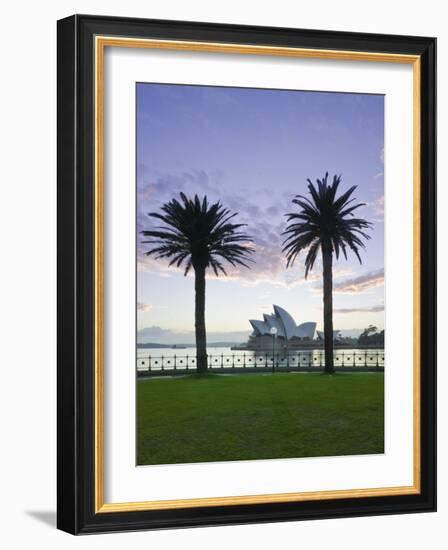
101	42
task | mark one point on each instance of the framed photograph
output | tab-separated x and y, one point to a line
246	274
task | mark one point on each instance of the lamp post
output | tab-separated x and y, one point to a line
274	334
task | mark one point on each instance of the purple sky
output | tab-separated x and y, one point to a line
253	150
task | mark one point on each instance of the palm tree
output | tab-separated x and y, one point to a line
326	223
198	235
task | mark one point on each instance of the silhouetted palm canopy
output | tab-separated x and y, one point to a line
324	218
325	222
198	234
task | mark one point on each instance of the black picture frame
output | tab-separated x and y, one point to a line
76	256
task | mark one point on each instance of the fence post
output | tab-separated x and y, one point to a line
162	362
174	361
244	360
222	360
186	360
149	363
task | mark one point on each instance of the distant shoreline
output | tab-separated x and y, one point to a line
243	347
152	345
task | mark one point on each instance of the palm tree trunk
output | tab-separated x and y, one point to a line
327	260
201	338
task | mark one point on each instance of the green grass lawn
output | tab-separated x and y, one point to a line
246	417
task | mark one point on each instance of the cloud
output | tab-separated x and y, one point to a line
380	174
272	210
265	222
368	309
376	210
156	332
159	335
378	206
360	284
144	307
264	216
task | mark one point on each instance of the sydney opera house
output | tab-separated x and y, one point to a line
288	333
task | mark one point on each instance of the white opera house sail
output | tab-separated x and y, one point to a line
283	326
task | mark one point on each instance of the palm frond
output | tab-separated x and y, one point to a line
197	234
324	217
